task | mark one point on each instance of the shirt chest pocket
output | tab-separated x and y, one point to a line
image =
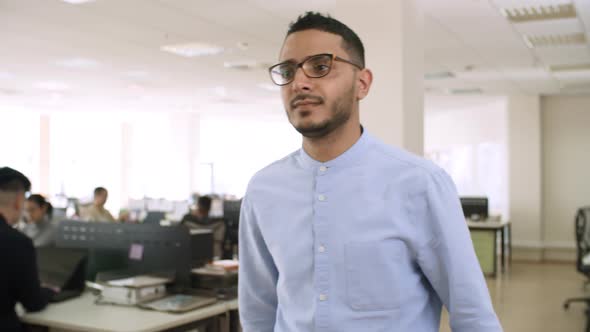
375	275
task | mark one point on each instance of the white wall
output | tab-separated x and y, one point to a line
524	145
566	166
467	137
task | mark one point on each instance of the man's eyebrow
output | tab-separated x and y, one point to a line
291	60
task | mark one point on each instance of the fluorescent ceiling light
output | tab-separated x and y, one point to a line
571	39
52	86
77	63
77	2
439	75
540	12
190	50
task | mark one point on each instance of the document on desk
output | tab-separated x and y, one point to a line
139	281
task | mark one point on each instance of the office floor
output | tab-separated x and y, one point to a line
530	296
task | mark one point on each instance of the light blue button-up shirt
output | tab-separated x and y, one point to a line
374	240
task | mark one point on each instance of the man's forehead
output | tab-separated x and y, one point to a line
301	44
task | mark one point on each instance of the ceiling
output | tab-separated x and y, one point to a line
105	55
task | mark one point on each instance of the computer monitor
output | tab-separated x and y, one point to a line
475	208
144	248
201	247
154	217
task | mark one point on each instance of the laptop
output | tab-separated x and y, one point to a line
179	303
63	268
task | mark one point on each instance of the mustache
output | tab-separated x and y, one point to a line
308	97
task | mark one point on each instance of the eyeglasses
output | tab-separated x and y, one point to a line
315	66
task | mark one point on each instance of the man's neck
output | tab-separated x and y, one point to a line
334	144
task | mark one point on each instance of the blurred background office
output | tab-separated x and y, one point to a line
163	102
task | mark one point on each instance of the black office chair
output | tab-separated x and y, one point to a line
231	216
583	257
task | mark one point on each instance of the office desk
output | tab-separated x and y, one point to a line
82	314
502	228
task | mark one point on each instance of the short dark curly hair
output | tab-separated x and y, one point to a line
316	21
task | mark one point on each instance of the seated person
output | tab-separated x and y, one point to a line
199	218
200	215
39	225
97	212
19	280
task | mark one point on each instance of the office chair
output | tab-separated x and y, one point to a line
583	257
231	217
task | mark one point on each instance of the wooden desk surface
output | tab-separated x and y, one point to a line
82	314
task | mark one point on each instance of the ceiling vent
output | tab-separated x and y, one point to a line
439	75
571	39
190	50
246	65
568	68
465	91
539	13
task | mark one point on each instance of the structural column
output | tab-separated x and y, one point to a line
392	33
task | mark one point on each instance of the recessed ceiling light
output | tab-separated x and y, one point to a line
77	63
77	2
190	50
52	86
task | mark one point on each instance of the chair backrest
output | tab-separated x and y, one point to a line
583	239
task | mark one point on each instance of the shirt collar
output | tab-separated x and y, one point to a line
350	157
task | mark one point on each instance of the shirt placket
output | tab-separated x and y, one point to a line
321	231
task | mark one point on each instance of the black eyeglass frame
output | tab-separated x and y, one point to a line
333	57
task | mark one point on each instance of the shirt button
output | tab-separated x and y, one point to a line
322	249
323	168
322	198
323	297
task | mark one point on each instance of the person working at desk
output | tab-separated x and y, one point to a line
39	225
200	215
348	233
97	211
199	218
19	279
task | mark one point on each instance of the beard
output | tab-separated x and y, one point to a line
340	113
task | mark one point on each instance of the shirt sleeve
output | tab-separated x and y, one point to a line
30	293
447	258
258	276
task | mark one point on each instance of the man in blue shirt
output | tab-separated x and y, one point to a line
347	233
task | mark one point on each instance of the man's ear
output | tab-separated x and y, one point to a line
364	81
